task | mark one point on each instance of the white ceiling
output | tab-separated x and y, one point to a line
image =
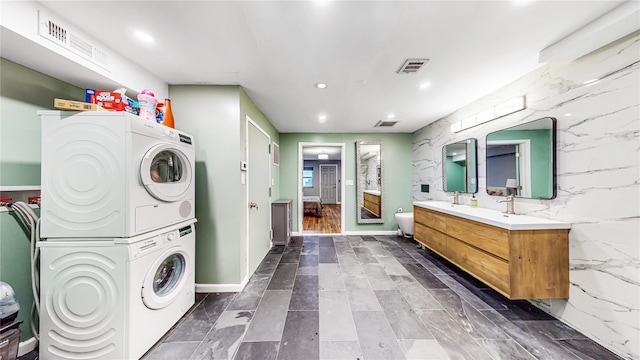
311	152
278	50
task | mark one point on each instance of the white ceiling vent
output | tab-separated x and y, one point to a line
386	123
60	34
412	66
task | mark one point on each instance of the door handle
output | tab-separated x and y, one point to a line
253	205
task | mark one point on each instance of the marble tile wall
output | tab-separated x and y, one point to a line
598	181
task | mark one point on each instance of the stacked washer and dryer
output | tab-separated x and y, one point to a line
117	213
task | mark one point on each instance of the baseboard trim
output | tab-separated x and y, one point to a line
378	232
215	288
27	346
375	232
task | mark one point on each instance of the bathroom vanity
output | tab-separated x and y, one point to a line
372	202
521	257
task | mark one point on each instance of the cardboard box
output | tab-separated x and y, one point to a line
112	101
75	105
109	100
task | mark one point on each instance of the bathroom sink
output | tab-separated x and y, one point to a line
494	217
373	192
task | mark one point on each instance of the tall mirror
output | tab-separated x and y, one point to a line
460	166
521	160
370	184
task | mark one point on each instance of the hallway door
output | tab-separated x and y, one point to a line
328	184
258	195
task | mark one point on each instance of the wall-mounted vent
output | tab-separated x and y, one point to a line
412	66
386	123
59	33
276	154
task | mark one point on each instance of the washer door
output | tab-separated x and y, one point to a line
165	279
166	172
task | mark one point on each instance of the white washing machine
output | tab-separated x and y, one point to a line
113	174
114	299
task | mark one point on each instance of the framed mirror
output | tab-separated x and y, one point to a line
521	160
460	166
370	182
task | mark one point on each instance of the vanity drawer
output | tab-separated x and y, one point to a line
374	208
430	218
491	239
430	238
490	269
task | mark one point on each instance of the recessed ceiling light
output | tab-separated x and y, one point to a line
425	85
391	116
144	37
453	153
321	85
322	118
567	114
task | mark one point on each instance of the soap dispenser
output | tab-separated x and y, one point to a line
473	202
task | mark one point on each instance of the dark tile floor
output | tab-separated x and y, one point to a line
366	297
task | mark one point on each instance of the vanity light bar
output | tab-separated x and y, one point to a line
506	108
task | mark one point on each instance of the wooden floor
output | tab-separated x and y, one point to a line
329	223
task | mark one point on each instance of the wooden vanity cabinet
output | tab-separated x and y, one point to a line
519	264
372	203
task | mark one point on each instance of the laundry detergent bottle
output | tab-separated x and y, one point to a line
168	115
148	104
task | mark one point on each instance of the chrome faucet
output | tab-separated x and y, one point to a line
456	200
509	201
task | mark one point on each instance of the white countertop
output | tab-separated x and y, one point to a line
373	192
494	217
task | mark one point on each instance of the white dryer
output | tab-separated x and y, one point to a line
113	174
114	299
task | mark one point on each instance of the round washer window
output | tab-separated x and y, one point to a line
166	167
169	274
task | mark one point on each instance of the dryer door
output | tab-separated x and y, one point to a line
165	279
166	172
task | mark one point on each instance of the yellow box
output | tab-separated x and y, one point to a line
75	105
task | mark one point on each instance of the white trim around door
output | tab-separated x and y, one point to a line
249	122
301	146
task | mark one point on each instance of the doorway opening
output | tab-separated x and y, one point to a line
321	188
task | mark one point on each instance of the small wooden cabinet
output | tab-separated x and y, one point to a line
520	264
372	203
281	221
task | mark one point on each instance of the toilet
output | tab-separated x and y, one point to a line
405	222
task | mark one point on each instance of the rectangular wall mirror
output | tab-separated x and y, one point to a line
521	160
370	182
460	166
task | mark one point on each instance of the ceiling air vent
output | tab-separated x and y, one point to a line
59	33
386	123
412	66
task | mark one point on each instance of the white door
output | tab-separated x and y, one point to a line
328	184
258	196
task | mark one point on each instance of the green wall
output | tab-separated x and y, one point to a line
211	115
541	157
22	93
398	170
248	108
